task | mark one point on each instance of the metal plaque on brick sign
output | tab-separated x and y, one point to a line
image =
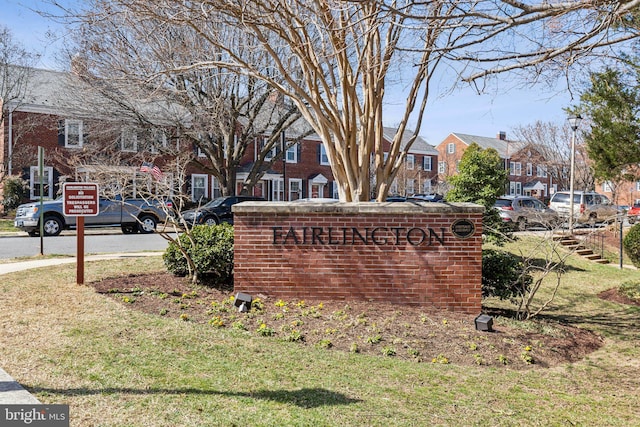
463	228
80	199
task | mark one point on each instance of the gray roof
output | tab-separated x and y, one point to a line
419	146
45	91
505	148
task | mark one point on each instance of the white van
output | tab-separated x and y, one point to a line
588	207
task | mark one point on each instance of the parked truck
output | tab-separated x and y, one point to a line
131	215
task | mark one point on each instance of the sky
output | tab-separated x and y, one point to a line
462	111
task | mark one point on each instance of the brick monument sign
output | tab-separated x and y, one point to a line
421	253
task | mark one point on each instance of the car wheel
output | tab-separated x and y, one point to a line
147	224
211	220
52	226
631	220
129	228
521	224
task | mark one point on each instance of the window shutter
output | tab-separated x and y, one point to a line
319	154
61	133
299	148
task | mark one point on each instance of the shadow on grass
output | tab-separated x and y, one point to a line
617	321
304	398
622	326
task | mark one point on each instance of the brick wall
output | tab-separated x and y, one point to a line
402	253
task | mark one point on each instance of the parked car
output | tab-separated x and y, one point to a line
588	207
522	212
426	197
131	215
633	214
316	200
216	211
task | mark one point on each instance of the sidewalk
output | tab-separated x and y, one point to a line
11	392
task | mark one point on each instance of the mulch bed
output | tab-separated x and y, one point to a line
425	335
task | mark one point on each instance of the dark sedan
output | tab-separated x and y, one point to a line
216	211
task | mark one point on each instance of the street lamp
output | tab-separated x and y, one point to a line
574	122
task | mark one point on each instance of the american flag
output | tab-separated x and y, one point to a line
152	169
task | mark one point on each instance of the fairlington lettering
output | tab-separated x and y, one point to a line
378	236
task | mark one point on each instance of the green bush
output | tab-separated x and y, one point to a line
503	275
15	189
210	248
631	244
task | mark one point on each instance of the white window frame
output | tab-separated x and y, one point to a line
269	154
515	168
292	154
426	187
69	124
292	182
205	180
515	188
529	169
410	186
34	182
324	158
277	193
411	162
442	167
158	140
427	163
541	171
129	134
606	187
451	148
215	188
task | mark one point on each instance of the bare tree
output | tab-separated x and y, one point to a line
15	72
136	62
338	58
553	143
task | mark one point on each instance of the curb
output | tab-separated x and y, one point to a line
12	393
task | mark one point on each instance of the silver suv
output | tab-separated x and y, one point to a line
588	207
522	212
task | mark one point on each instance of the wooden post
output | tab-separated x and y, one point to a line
80	250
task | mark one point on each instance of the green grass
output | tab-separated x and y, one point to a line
7	225
118	367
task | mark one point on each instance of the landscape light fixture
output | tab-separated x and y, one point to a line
243	302
484	323
574	122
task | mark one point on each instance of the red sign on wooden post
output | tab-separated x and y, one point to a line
80	199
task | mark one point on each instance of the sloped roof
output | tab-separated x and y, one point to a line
63	93
45	91
504	147
419	146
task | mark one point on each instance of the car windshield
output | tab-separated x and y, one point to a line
215	202
500	203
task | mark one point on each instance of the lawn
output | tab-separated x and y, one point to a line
7	225
116	366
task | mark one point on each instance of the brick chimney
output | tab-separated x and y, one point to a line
502	135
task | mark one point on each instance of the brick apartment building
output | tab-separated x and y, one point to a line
527	171
82	142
